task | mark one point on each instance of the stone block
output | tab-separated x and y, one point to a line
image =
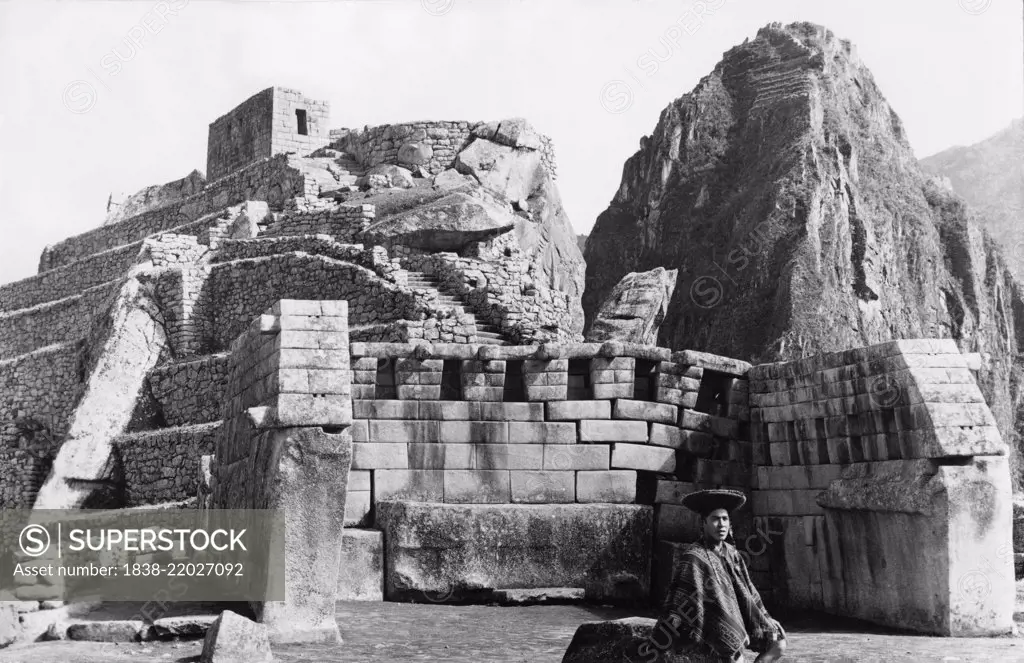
643	457
467	432
645	411
385	409
510	456
613	390
301	410
612	364
711	362
577	456
546	393
673	492
483	394
477	486
361	575
417	485
360	431
308	469
359	480
576	410
419	392
461	551
531	432
443	410
612	486
543	487
442	456
357	508
509	411
380	455
403	431
613	431
706	423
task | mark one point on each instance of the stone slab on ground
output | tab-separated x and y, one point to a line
539	595
120	630
465	550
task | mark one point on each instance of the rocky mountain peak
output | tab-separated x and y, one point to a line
784	190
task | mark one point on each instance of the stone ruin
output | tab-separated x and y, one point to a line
423	406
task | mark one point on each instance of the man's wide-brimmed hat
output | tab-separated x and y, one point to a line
706	501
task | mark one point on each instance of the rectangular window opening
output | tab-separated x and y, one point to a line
300	116
451	380
645	380
515	388
385	382
713	395
579	380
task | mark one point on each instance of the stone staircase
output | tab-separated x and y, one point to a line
486	334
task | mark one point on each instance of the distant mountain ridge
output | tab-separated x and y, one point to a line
989	175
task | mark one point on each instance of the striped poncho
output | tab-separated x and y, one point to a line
712	609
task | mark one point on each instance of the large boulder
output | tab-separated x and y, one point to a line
635	309
505	158
447	224
512	172
386	175
514	132
463	551
415	154
628	639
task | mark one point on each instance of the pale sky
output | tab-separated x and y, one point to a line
952	69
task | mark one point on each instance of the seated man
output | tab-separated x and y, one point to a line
712	609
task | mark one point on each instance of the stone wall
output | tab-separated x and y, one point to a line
241	136
272	180
44	384
161	465
343	222
441	140
542	424
61	321
24	471
190	392
238	291
69	280
375	145
874	456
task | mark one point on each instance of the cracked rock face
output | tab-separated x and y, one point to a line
784	190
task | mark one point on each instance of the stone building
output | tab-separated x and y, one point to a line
290	337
